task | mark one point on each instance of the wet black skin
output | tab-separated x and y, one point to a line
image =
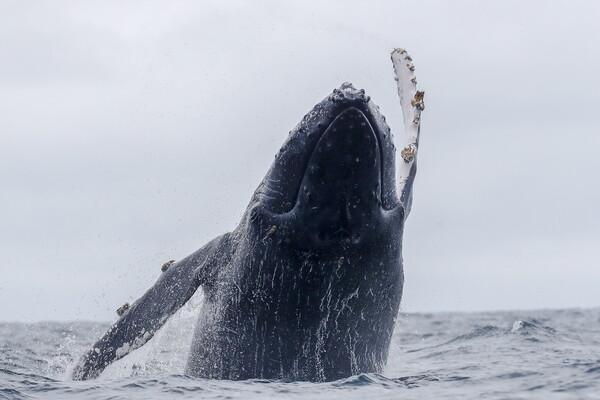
307	287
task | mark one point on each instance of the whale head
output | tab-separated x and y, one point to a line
333	181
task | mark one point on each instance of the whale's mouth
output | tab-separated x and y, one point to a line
347	156
348	153
339	197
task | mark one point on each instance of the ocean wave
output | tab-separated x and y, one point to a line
494	355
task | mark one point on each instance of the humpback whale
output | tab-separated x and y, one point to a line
308	285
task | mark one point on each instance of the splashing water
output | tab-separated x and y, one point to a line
167	352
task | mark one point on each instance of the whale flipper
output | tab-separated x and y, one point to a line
138	324
411	101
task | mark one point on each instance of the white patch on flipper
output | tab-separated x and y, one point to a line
167	352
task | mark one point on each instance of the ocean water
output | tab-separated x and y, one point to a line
488	355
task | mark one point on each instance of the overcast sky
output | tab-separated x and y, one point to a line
133	132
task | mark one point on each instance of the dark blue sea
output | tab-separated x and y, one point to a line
544	354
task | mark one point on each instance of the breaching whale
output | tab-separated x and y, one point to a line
308	285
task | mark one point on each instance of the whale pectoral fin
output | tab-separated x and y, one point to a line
138	324
412	103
